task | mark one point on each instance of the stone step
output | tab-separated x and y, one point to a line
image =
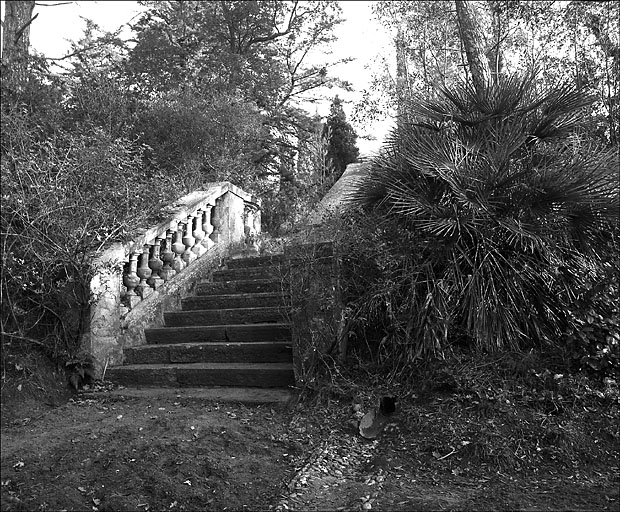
261	375
235	300
224	316
246	273
218	352
259	261
214	333
283	397
245	286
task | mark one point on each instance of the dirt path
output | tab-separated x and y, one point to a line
141	454
180	453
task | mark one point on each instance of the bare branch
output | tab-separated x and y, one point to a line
52	5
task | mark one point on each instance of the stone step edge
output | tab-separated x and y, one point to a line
203	366
213	343
265	325
204	282
249	295
256	261
246	395
264	309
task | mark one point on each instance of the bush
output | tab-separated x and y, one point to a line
64	195
214	139
484	214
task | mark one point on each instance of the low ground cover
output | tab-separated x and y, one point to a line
479	433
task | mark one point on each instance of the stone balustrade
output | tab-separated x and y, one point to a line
135	282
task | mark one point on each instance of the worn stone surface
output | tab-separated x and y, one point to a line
256	352
101	339
150	312
249	286
238	300
217	352
194	334
232	346
313	285
282	396
337	197
258	261
264	375
240	274
106	322
224	316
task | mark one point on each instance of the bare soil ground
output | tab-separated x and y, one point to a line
455	445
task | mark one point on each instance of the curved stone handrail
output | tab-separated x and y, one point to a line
126	298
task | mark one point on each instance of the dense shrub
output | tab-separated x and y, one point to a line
218	138
485	215
64	195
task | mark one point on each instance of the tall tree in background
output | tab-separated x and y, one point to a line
342	148
209	92
15	42
471	37
255	52
575	40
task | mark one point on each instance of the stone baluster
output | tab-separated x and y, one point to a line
189	241
216	220
155	264
178	247
131	280
249	229
207	227
198	249
144	272
167	256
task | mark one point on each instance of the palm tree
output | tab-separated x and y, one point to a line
506	201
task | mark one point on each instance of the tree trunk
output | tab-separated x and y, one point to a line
15	42
401	76
472	39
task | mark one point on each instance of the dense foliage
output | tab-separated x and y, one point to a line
576	40
487	214
342	149
208	91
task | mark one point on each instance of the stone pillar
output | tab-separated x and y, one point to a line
249	230
189	241
198	249
131	280
207	227
105	290
156	264
217	221
167	256
144	273
178	247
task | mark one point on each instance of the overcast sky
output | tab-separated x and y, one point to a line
359	36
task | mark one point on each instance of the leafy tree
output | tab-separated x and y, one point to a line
342	149
503	206
203	139
90	154
564	39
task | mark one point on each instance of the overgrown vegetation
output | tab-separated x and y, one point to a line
92	150
483	222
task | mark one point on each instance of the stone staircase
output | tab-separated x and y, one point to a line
232	333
